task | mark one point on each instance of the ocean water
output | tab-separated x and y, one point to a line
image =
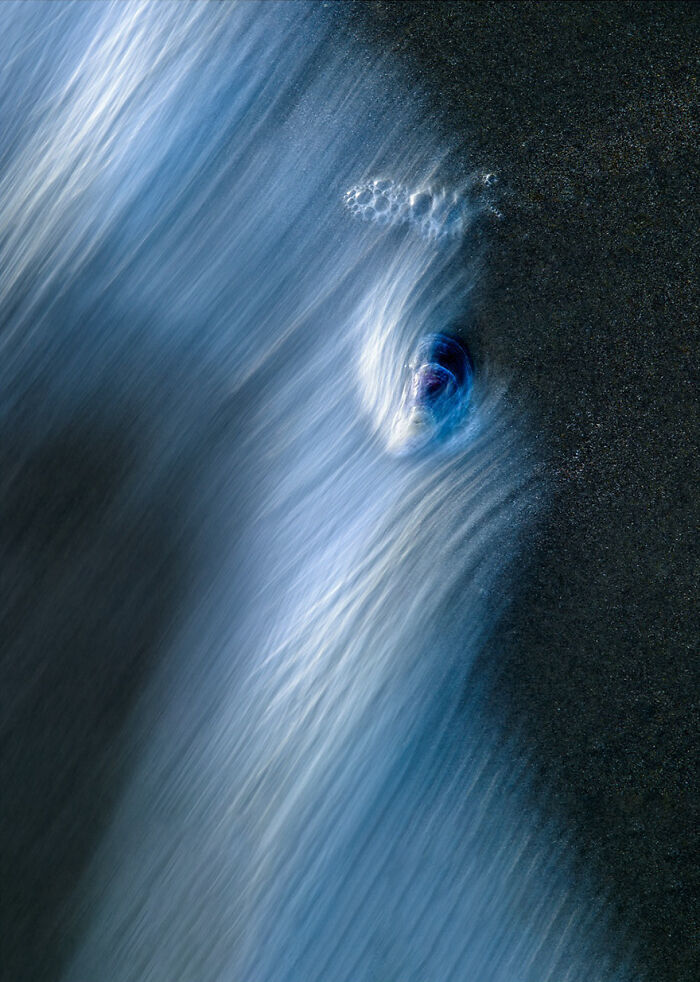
230	223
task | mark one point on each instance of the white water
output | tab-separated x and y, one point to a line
316	794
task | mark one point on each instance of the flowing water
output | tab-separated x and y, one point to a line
233	220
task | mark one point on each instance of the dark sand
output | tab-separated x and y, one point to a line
585	112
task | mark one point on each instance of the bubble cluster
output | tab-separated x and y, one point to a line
433	213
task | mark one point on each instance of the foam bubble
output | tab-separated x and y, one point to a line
433	213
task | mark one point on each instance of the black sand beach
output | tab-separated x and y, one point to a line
586	114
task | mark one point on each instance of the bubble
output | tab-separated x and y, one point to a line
421	202
433	214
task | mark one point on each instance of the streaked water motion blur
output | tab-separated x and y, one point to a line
225	221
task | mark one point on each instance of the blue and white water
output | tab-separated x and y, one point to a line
316	793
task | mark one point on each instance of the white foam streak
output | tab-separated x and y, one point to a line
316	794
